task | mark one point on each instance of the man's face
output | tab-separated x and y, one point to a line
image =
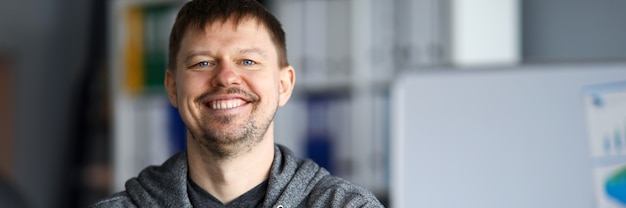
227	85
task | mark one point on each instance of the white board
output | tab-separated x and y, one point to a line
495	137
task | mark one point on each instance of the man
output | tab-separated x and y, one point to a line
227	75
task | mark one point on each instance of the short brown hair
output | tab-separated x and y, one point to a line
197	13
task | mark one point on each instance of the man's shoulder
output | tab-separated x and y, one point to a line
120	199
155	186
337	192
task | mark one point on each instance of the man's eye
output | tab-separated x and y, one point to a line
248	62
203	64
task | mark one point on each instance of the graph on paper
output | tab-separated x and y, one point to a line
605	106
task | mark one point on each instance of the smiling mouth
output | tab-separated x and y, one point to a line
226	98
225	104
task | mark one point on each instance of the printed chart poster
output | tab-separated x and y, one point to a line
605	106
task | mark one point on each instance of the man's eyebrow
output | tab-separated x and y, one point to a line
253	50
192	54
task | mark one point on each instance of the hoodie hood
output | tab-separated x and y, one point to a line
161	186
291	180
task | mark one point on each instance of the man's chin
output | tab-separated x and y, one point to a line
224	144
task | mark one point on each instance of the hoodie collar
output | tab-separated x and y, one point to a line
291	180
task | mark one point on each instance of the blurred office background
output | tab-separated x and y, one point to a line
82	107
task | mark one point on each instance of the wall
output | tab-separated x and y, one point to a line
573	30
46	40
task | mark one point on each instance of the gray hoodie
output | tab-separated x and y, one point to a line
292	183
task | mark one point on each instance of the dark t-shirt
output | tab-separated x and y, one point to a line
201	198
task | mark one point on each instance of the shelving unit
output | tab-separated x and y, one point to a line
342	55
345	53
142	117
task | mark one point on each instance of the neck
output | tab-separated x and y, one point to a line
227	179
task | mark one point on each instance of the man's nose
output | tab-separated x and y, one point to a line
225	75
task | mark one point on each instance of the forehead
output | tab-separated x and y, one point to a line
223	35
245	28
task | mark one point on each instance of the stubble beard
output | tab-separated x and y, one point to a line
225	145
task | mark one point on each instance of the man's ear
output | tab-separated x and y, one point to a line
170	86
287	82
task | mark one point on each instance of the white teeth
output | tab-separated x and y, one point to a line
225	104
